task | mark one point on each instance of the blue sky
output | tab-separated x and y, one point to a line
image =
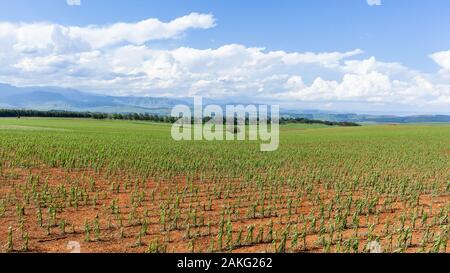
395	35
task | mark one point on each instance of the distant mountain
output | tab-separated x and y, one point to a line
51	98
368	118
54	98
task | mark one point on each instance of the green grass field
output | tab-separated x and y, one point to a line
325	189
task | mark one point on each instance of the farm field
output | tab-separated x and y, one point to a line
124	186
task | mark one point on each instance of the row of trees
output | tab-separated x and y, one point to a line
142	117
93	115
313	121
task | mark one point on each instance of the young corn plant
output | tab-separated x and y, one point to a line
97	228
10	244
26	240
249	237
87	231
62	226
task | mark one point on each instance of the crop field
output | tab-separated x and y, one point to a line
124	186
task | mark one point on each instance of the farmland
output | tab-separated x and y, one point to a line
126	186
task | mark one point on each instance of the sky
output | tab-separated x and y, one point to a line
384	56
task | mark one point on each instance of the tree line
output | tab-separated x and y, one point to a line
314	121
18	113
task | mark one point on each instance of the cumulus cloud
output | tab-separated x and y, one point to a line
47	37
73	2
442	58
374	2
120	59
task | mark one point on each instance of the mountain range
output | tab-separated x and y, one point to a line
54	98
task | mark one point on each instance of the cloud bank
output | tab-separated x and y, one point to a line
119	59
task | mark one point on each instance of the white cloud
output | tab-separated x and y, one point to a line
443	60
49	37
73	2
374	2
118	59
